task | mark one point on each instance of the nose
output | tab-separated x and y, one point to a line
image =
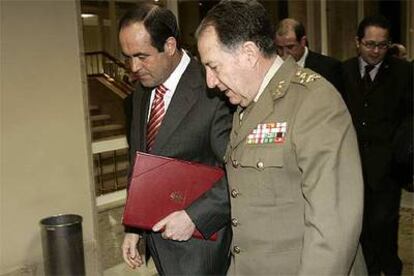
211	78
135	64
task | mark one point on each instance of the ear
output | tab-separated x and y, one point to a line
170	46
303	41
250	52
357	42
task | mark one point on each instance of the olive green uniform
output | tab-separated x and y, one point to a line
295	180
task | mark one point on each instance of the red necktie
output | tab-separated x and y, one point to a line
156	116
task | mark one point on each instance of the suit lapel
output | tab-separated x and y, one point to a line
382	74
139	126
265	105
310	60
185	96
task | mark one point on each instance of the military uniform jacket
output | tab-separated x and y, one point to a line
295	180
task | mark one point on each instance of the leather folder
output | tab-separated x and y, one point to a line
161	185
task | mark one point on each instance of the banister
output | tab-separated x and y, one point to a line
101	63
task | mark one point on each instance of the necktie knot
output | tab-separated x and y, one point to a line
160	91
368	68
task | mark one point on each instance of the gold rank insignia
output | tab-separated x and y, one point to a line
278	91
305	77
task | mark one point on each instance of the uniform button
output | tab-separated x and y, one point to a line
234	193
364	123
236	249
365	104
260	165
234	222
235	163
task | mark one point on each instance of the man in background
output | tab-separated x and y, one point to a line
378	91
292	162
174	114
291	40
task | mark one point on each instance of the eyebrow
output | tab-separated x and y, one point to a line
135	55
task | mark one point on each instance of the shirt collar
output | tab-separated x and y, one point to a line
172	81
301	61
269	75
362	65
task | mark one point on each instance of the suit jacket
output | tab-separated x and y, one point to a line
297	192
195	128
378	115
327	67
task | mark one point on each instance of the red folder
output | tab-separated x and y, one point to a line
161	185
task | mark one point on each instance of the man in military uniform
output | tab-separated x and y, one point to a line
292	161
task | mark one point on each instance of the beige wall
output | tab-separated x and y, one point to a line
45	148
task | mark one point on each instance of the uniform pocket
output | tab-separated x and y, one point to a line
262	157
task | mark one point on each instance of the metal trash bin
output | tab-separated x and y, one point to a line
62	245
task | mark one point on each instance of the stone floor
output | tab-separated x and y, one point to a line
111	234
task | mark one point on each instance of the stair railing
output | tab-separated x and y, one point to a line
114	190
101	63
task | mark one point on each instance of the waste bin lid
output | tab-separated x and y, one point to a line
61	220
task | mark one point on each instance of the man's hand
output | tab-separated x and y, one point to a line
130	252
177	226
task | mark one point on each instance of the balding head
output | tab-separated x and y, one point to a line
290	38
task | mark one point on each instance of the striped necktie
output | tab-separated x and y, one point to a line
156	116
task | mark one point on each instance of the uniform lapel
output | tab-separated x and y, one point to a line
264	106
185	96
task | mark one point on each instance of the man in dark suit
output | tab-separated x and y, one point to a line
290	39
174	114
378	91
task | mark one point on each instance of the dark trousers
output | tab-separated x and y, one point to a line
379	236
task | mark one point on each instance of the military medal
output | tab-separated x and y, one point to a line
268	133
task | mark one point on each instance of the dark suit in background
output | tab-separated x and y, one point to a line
327	67
378	90
379	114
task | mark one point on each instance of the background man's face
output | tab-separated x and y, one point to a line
225	70
146	63
288	45
374	45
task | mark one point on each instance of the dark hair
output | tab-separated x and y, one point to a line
237	22
159	22
377	21
289	24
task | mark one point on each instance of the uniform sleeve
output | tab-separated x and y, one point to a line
332	186
212	211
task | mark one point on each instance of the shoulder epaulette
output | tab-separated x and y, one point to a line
304	76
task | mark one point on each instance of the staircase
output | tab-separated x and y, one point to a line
108	87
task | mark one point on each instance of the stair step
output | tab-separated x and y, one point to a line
108	169
111	127
121	153
93	107
109	185
100	117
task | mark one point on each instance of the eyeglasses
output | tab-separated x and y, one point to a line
373	44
